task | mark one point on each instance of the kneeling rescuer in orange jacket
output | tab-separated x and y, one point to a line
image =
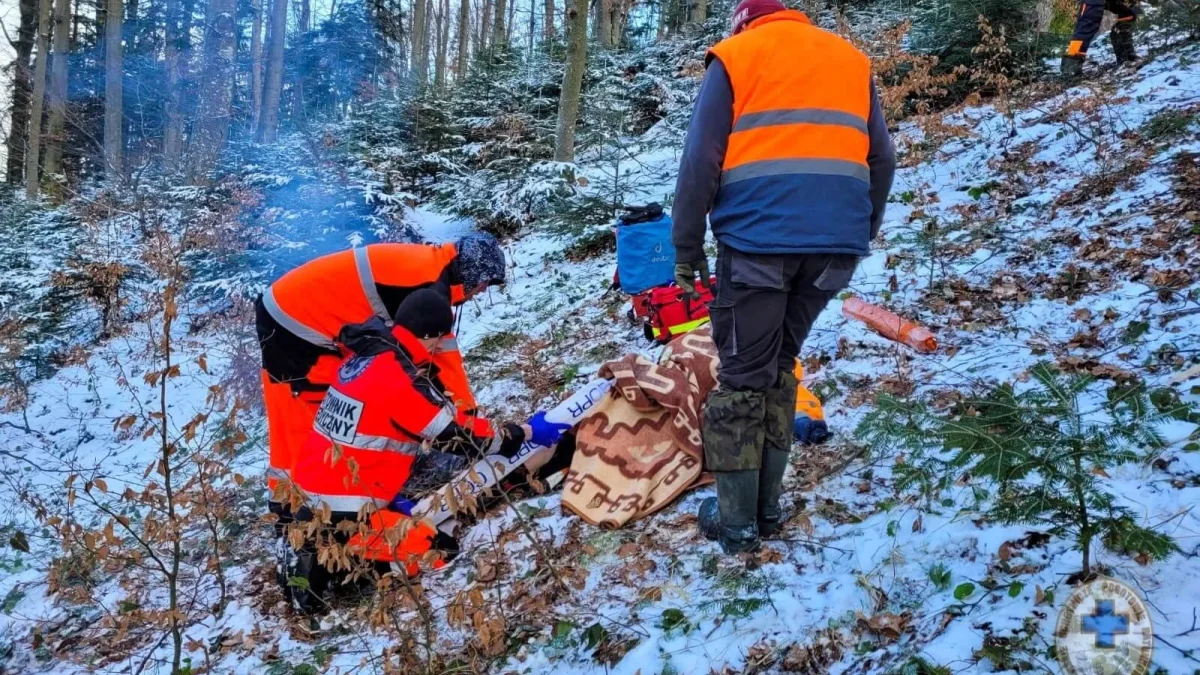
300	316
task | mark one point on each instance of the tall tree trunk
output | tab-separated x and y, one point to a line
443	28
33	147
508	29
175	51
420	68
298	85
700	11
568	102
485	27
604	12
499	36
256	63
216	93
18	129
548	26
269	129
464	38
427	39
57	95
114	71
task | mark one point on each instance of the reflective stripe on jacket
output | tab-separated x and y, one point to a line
381	412
313	302
795	175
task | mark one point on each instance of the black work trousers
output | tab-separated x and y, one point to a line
764	308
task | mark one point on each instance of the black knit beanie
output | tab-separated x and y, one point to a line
425	313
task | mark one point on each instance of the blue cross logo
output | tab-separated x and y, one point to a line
1105	624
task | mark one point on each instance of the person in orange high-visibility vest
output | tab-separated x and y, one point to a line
788	157
386	435
300	316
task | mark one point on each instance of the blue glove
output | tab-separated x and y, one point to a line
545	433
809	432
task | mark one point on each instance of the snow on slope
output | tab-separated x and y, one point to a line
1051	237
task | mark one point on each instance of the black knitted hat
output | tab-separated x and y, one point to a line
425	313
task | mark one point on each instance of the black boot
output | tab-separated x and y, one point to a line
777	449
1122	42
729	517
1072	67
733	451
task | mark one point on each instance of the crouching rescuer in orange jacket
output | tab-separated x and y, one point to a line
299	317
387	435
789	157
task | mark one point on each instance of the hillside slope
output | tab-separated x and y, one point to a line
1066	232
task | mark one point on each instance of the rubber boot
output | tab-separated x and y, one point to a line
733	449
1072	67
777	449
1122	42
729	517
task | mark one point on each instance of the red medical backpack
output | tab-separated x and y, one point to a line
668	311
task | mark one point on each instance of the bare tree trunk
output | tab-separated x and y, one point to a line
485	24
699	11
443	28
420	68
21	88
33	147
57	95
508	29
548	27
427	39
216	93
114	71
568	102
604	12
499	36
175	50
464	38
269	129
664	7
256	60
298	84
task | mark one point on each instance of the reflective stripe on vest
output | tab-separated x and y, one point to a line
446	344
293	326
362	262
376	444
344	503
767	118
439	423
786	167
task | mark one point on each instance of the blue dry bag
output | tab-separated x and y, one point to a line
645	255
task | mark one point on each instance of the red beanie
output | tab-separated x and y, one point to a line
749	10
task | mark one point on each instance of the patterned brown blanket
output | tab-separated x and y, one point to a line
640	448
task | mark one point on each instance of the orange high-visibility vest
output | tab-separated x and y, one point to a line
316	300
795	175
379	414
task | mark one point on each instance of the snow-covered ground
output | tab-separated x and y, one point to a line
1051	235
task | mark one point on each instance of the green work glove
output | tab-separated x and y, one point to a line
686	272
